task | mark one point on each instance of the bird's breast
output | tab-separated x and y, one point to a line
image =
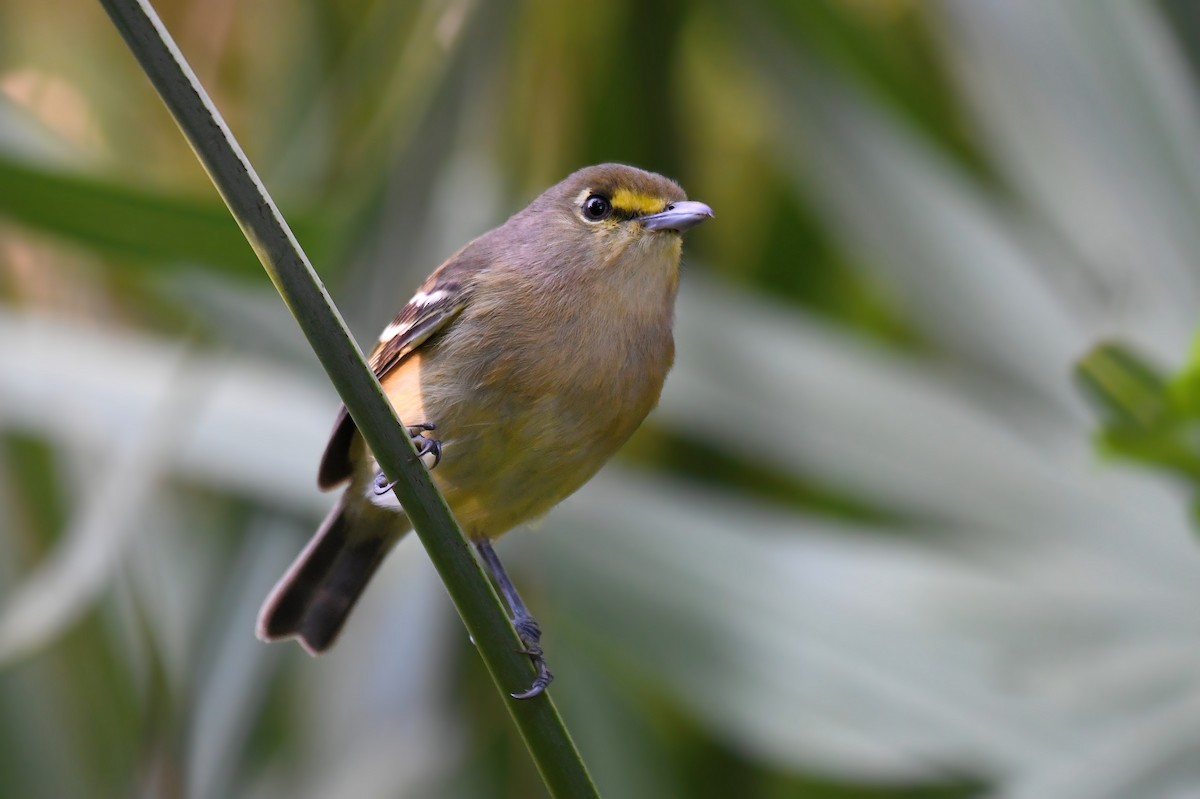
529	409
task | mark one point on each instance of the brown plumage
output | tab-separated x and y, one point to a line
537	350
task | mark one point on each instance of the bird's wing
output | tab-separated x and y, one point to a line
425	314
439	300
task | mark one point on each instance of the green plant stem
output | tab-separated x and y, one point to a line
538	720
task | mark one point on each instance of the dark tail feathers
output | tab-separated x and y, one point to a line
312	600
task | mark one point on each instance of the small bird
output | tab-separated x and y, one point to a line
520	366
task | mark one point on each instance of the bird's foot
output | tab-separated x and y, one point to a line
424	446
530	634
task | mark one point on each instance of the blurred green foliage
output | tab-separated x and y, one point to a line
861	550
1149	418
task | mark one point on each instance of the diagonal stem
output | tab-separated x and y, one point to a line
538	720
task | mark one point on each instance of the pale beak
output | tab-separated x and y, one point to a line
677	216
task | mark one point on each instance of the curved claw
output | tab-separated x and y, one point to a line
540	683
382	486
544	678
434	447
529	633
426	446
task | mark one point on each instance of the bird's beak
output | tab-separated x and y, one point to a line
678	217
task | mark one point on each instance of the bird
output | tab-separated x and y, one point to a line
520	366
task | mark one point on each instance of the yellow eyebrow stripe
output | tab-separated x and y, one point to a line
636	202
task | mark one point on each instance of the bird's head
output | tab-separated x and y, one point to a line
613	215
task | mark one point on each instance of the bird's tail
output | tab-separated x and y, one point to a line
312	600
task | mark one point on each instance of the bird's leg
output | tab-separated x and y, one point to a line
424	445
527	628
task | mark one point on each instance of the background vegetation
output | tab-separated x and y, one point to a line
863	549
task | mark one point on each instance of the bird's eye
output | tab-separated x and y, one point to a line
596	208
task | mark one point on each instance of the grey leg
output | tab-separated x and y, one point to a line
527	628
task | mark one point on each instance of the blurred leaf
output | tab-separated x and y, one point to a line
962	197
1185	385
887	50
88	555
1129	391
1146	418
140	227
254	427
